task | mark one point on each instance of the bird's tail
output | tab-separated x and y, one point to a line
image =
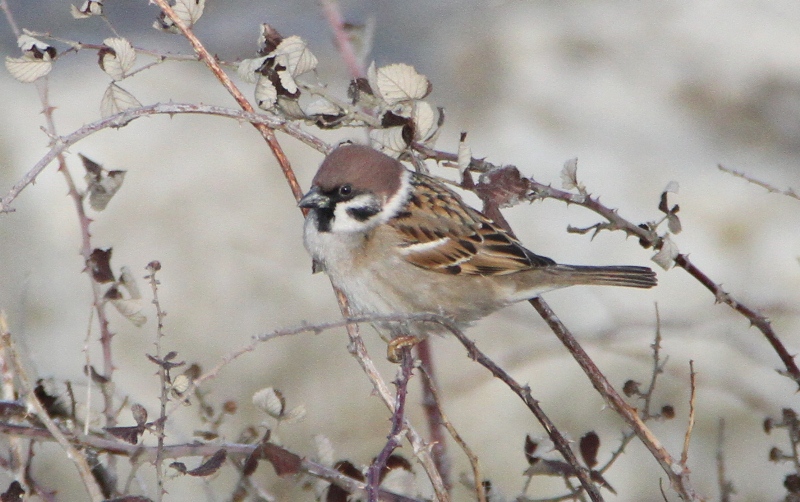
623	275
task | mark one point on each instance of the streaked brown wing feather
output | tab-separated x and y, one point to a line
439	232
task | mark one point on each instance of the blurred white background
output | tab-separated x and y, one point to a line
643	94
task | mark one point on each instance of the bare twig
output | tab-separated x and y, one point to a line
725	486
687	438
152	268
359	351
10	18
789	192
26	392
658	367
343	43
266	132
433	413
645	413
398	419
62	143
477	478
16	456
148	454
678	475
524	393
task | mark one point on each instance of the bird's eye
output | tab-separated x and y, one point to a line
345	190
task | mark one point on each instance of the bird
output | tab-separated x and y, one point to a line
398	242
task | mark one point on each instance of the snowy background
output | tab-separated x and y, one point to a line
641	93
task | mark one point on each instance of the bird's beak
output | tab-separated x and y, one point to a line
314	199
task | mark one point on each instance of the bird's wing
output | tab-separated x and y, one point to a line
439	232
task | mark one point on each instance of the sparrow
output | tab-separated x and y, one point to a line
396	241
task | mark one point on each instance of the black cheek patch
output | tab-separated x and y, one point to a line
362	213
324	219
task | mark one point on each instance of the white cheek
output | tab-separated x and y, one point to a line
399	199
343	222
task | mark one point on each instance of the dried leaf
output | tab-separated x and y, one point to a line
26	69
296	414
426	120
348	469
266	93
569	176
102	184
631	388
338	494
270	401
504	186
35	48
131	308
398	82
598	478
390	140
464	154
530	449
128	281
12	409
293	54
128	434
247	69
139	414
550	468
179	466
674	222
100	265
283	461
397	476
589	445
14	493
268	40
665	257
188	11
94	375
181	384
118	59
290	108
324	450
210	466
116	100
88	9
394	462
360	92
106	481
36	61
672	187
321	106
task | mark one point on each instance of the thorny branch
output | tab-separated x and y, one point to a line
152	268
267	124
477	480
516	189
677	473
690	427
62	143
267	133
396	435
789	192
27	393
149	453
433	413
